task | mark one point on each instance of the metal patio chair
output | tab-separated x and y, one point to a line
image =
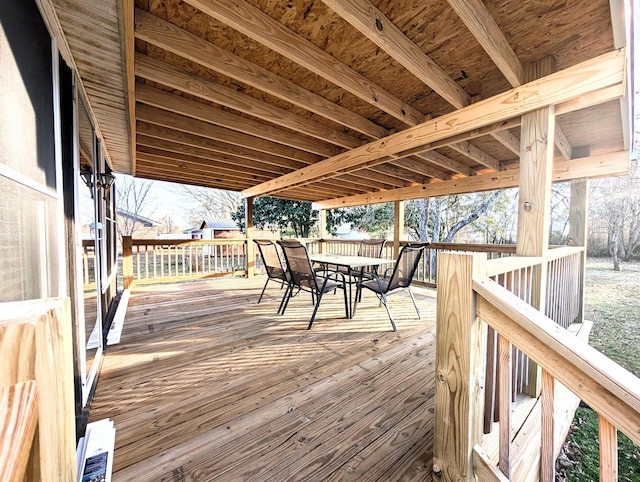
400	279
305	278
273	265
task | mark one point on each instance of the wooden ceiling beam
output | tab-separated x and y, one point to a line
374	25
216	116
153	115
212	157
594	74
164	134
471	151
187	163
181	162
447	163
193	179
613	164
259	26
248	156
176	78
484	28
508	140
418	166
178	41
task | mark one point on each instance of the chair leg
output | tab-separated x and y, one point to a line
346	305
285	299
383	300
414	302
315	310
263	288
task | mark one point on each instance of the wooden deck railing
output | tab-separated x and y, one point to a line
89	264
157	260
475	295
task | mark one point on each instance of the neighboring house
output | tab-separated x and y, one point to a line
218	228
136	226
347	231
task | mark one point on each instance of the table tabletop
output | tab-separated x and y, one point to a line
349	261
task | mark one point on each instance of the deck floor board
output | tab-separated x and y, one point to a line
206	384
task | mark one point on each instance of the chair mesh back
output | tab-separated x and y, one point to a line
271	259
371	248
405	267
297	257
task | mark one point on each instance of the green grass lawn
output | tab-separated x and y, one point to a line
613	303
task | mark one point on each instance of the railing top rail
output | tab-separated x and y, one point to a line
563	251
177	242
475	247
607	387
512	263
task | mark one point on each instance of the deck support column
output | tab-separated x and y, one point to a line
398	226
322	229
536	162
251	254
127	261
460	359
578	212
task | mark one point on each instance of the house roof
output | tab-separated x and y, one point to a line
146	222
219	223
360	101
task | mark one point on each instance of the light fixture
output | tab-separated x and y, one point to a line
105	181
87	175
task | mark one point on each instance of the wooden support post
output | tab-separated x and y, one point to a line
322	229
251	253
398	226
127	261
578	212
460	357
536	163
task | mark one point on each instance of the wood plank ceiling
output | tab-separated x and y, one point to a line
236	93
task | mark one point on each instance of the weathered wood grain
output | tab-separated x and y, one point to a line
207	383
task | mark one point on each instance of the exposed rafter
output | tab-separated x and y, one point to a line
259	26
614	164
483	27
372	23
588	76
176	78
180	42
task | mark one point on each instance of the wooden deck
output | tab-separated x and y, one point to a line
208	385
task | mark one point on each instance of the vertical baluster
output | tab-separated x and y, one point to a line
608	450
490	380
547	460
504	402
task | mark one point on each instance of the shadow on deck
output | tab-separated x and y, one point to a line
208	385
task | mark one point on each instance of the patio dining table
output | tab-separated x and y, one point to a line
355	266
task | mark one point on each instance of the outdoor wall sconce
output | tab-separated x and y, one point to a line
104	180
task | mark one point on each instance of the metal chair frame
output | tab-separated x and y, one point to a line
275	271
400	279
305	278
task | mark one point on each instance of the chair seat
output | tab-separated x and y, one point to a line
374	286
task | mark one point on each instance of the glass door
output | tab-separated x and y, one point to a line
88	239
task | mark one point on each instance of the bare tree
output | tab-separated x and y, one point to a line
616	201
211	203
133	196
